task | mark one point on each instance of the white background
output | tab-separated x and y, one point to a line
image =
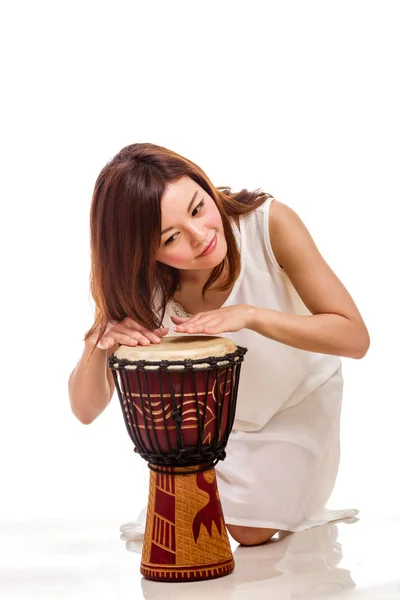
298	98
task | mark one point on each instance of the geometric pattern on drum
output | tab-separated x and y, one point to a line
186	536
155	409
179	412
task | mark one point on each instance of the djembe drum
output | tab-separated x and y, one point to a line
178	399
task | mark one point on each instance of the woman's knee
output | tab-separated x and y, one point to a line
251	536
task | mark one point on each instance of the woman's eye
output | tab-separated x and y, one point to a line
194	213
198	207
170	240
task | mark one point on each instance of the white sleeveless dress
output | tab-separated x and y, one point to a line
283	454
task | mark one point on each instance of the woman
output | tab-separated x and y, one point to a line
174	255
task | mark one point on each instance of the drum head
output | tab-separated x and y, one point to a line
178	348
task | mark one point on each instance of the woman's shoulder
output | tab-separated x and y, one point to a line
259	213
255	219
262	224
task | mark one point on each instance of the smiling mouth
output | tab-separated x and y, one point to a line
208	246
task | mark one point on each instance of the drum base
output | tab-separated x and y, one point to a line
188	574
185	537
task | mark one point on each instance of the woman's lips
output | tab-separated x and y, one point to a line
210	246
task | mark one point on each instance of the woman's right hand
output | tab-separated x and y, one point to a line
129	333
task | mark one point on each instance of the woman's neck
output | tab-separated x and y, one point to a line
193	285
194	278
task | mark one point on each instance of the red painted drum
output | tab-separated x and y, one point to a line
178	399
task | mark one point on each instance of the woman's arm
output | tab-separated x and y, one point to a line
335	326
90	385
323	333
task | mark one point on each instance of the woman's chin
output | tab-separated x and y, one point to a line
209	262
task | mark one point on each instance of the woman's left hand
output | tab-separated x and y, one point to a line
221	320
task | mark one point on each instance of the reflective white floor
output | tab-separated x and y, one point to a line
82	559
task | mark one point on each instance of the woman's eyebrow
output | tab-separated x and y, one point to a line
189	207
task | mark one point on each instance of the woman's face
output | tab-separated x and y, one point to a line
190	220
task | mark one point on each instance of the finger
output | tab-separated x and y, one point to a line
184	327
193	319
194	325
105	343
188	322
121	338
152	337
179	319
198	317
193	329
141	339
160	331
155	335
212	329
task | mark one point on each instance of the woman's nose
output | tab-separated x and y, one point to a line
198	236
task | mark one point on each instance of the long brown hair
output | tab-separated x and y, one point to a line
126	280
